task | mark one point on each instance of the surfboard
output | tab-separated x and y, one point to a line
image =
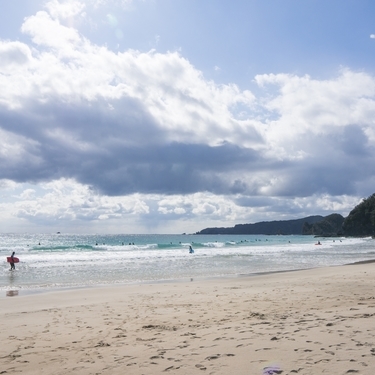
15	260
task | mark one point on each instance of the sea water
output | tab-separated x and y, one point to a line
66	260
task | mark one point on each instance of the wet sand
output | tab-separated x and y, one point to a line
318	321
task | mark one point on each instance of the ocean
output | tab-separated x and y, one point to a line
49	261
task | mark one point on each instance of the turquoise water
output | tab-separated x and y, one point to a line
62	260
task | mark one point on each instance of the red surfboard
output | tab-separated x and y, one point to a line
15	260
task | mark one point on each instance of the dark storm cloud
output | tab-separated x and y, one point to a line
169	169
353	142
115	154
335	163
118	149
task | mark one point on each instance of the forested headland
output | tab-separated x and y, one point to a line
360	222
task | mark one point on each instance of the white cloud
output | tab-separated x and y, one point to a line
64	9
303	106
67	200
184	104
74	207
27	194
48	32
7	184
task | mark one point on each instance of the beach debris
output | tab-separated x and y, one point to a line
209	358
272	370
101	343
257	315
216	356
201	367
159	326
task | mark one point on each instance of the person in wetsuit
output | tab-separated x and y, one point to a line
12	266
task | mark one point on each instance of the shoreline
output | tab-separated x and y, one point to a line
304	321
36	291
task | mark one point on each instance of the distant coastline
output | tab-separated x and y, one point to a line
280	227
359	223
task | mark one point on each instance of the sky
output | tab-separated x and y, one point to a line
171	116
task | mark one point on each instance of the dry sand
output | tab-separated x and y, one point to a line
318	321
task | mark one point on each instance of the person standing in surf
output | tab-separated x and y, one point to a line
12	266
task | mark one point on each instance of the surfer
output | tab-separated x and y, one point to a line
12	266
191	251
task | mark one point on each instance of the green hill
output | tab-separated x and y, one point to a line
361	220
331	225
266	227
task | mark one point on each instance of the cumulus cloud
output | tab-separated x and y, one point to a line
111	134
66	9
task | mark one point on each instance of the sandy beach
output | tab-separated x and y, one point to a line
318	321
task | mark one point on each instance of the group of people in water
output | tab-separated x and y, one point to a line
13	266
